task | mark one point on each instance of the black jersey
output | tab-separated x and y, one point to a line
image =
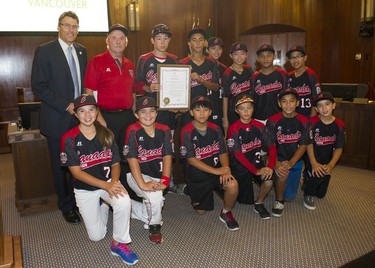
288	134
217	97
326	138
308	88
207	148
235	84
149	151
207	70
89	155
147	70
264	91
248	140
147	74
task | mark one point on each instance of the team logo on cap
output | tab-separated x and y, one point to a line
83	99
145	102
238	46
216	41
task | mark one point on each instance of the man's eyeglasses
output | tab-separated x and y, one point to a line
69	26
297	57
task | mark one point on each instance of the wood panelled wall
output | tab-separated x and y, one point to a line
331	28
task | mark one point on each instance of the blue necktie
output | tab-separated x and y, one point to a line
73	71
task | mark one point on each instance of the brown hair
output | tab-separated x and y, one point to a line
104	135
70	14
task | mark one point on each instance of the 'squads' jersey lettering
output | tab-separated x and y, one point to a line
217	96
264	91
235	84
248	139
89	155
206	148
207	70
288	134
147	70
326	138
149	151
308	88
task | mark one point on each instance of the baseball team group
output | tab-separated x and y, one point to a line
112	149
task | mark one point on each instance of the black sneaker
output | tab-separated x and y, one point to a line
277	209
309	202
262	211
229	221
182	189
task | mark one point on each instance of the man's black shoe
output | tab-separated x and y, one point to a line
72	217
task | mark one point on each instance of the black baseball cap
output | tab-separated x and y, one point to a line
237	46
201	100
296	48
265	47
323	96
215	41
243	98
197	30
145	102
118	27
288	91
84	100
160	28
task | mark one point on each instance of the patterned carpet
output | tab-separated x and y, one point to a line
341	229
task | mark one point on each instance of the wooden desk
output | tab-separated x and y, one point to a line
10	249
359	120
34	184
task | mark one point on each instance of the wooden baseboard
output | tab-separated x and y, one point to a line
12	252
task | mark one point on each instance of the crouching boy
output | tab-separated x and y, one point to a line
203	145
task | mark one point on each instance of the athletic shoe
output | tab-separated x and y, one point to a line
147	227
173	189
229	221
125	253
277	209
182	189
155	235
262	211
309	202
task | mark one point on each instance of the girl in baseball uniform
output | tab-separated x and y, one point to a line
92	156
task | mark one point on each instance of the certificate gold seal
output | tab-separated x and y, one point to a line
166	100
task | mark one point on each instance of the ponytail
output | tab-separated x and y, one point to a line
104	135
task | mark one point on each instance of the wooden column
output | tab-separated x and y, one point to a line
359	120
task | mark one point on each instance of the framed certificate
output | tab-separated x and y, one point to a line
174	83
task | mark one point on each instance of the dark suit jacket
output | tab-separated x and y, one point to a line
52	82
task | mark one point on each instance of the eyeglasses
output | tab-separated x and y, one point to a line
69	26
297	57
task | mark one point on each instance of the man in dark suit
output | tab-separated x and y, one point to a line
57	86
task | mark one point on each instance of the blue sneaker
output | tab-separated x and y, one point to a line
125	253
